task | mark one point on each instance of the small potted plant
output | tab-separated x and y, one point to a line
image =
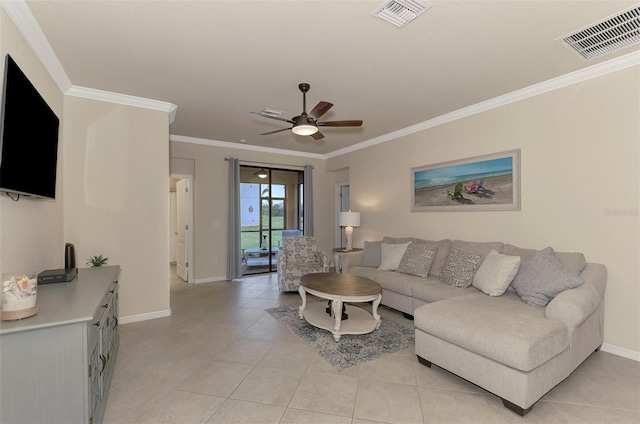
97	260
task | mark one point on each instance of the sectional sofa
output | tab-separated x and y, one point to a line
513	321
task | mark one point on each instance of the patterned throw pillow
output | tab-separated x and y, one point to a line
417	260
460	268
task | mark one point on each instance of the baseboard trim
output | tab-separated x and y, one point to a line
144	317
621	351
209	280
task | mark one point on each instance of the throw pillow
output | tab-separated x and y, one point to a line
460	268
496	273
371	254
417	259
543	277
391	254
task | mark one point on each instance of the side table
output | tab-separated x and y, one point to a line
338	252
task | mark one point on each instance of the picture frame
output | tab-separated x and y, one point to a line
481	183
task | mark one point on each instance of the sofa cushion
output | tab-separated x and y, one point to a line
478	247
543	277
391	255
496	273
388	280
432	289
460	267
365	271
574	261
503	329
417	259
396	240
396	282
371	253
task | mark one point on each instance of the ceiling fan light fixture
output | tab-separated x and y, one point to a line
262	173
305	129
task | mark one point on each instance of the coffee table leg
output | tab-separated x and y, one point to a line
336	305
303	295
374	310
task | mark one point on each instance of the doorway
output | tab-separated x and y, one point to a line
181	225
270	202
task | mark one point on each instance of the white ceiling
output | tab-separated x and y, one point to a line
219	60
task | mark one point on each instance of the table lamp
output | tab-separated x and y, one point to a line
349	220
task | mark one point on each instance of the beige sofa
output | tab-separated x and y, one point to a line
512	349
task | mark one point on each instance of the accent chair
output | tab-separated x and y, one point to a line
299	256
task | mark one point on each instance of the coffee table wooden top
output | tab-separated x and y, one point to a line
340	284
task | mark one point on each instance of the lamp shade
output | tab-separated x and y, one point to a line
305	129
349	219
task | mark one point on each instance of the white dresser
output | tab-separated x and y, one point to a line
56	366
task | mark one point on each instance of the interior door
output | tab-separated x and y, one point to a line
181	250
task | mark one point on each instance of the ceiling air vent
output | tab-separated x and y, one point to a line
271	112
607	36
400	12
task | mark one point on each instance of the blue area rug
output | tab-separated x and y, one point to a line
351	349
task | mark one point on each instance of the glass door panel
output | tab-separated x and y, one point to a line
267	207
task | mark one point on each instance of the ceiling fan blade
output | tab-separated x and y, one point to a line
317	136
320	109
271	117
352	123
276	131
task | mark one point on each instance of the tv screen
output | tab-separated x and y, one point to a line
29	137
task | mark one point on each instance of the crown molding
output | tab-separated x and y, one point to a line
613	65
26	23
123	99
253	148
21	15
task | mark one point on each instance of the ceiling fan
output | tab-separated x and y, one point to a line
307	123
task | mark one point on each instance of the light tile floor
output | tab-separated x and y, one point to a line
220	358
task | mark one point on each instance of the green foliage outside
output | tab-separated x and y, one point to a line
250	235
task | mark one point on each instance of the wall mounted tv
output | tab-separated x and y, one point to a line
28	138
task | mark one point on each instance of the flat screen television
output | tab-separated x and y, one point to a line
28	138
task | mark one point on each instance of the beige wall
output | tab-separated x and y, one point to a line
579	158
211	204
31	234
117	203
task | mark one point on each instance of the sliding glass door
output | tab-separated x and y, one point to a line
270	201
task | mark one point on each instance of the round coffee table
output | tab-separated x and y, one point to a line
340	288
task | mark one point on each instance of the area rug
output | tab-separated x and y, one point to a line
351	349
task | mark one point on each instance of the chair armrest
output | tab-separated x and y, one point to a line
350	260
572	307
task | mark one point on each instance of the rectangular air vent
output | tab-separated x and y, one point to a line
607	36
271	112
400	12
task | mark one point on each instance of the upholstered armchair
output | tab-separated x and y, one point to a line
299	256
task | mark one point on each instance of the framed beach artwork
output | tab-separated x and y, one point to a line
482	183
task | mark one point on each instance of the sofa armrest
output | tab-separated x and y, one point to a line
350	260
596	275
572	307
